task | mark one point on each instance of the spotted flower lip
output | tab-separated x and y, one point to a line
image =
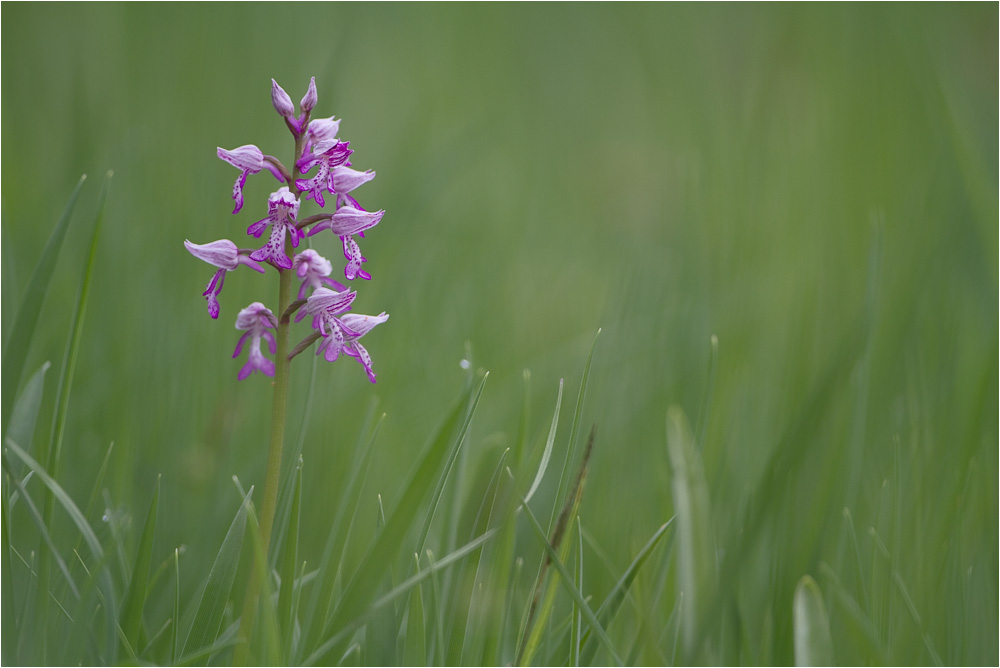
328	154
224	255
249	160
341	331
282	207
255	320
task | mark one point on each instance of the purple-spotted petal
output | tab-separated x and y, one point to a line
362	324
245	158
325	300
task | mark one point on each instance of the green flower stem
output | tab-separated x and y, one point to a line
279	410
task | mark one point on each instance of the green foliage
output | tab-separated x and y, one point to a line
782	219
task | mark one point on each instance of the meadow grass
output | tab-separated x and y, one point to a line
782	220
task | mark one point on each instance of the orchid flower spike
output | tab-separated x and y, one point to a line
224	255
255	320
282	207
249	160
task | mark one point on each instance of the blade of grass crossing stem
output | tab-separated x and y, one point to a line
574	428
462	639
208	618
318	608
695	539
135	595
612	603
22	421
381	630
267	633
288	564
567	581
549	442
362	587
443	477
415	643
541	608
23	331
813	644
361	616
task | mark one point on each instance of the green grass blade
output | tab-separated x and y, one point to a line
415	644
549	442
813	644
318	609
576	616
208	618
612	603
361	616
11	619
267	632
574	430
695	540
363	585
443	477
135	595
567	580
175	629
291	556
15	351
25	415
382	628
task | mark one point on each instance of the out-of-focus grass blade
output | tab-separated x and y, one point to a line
567	581
11	619
319	602
415	644
267	626
695	540
549	442
363	585
813	644
612	603
522	426
858	623
174	630
466	631
452	456
15	351
706	404
207	620
285	617
135	595
362	615
576	617
573	431
380	632
25	415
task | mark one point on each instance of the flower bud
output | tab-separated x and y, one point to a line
282	103
309	99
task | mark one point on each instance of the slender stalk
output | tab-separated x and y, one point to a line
279	409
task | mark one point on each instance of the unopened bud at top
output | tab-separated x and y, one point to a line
282	103
309	99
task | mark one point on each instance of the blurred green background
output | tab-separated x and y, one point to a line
814	185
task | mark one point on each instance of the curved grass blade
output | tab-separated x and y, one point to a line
567	581
208	618
269	637
696	542
318	608
11	620
354	623
609	608
25	415
813	644
130	620
15	351
415	645
382	628
570	447
363	585
549	442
